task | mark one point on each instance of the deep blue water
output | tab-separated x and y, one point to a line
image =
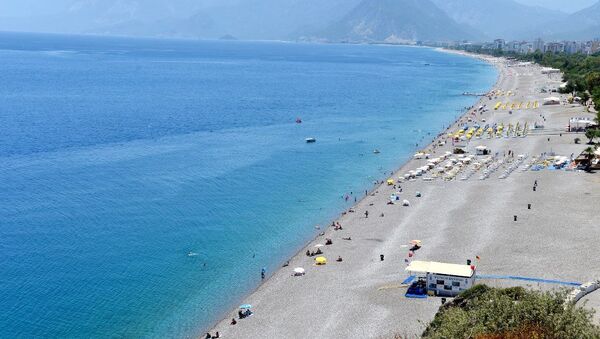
119	156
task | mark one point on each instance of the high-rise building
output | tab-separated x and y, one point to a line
538	45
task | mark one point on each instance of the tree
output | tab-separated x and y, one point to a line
592	134
590	154
593	80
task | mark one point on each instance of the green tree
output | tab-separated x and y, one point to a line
592	134
593	80
590	154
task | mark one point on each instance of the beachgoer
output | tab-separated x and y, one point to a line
349	238
217	335
286	264
307	253
339	259
366	214
233	321
241	314
208	336
381	257
263	271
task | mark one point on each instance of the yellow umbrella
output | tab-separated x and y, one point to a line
321	260
390	182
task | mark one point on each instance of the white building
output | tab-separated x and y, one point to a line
444	279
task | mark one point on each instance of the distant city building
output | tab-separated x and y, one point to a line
538	45
524	47
499	43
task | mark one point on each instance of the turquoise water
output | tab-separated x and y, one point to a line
118	157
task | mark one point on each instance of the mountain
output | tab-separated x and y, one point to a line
245	19
581	25
499	18
266	19
396	20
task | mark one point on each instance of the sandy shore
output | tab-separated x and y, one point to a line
456	220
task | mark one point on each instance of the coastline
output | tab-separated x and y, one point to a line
492	61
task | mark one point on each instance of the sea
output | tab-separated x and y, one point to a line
144	183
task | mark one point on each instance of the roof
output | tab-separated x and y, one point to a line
440	268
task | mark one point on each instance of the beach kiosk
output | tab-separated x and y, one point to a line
443	279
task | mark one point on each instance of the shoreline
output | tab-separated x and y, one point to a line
460	211
492	61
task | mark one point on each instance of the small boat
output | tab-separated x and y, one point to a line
310	140
376	151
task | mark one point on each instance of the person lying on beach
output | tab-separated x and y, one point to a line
233	321
339	259
347	238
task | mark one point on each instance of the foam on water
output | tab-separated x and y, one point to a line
120	157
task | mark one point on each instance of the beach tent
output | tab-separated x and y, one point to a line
482	150
551	101
405	203
321	260
299	271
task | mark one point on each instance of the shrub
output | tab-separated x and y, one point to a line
483	312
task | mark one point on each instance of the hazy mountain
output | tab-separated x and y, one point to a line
394	20
360	20
560	5
581	25
267	19
498	18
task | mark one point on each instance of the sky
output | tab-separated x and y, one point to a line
569	6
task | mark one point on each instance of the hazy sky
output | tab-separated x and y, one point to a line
24	8
569	6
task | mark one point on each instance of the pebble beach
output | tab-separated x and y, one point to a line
468	215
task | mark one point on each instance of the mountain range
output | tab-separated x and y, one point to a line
329	20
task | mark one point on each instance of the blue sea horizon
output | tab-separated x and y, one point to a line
144	183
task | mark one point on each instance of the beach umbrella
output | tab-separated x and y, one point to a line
245	306
319	245
299	271
321	260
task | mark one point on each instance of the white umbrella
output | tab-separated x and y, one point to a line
299	270
319	245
